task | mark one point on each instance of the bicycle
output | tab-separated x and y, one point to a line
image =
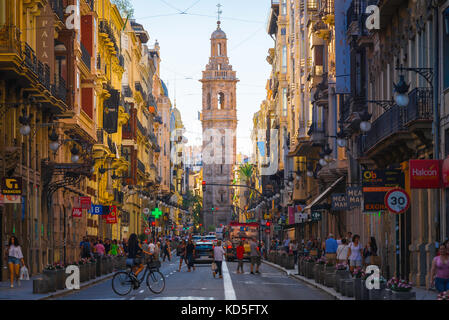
125	281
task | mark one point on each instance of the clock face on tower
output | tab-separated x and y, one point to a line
219	121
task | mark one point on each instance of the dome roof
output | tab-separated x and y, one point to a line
218	34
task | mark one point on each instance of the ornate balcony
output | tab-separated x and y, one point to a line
85	56
398	133
58	8
141	166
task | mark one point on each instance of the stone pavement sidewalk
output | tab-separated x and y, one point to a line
421	293
25	290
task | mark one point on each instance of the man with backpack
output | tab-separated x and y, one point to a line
85	248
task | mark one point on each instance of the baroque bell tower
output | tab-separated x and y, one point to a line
219	121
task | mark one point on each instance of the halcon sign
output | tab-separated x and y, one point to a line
425	174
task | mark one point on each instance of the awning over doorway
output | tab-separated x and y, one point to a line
323	195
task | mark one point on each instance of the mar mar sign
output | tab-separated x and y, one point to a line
397	200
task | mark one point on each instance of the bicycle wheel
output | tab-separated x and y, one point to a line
122	283
156	282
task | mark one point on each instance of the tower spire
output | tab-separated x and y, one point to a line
219	12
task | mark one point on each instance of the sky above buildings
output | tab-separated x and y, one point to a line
184	39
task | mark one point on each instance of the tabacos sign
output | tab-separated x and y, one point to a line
425	174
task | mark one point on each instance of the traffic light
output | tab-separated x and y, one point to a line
153	223
204	185
268	223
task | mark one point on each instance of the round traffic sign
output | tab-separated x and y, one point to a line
397	200
146	211
147	231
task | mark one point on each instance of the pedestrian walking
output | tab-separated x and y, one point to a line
100	249
14	256
369	252
190	253
342	252
240	250
295	251
114	248
219	253
330	248
166	251
182	253
439	273
107	246
355	253
85	247
254	255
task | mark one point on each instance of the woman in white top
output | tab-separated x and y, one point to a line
342	252
355	253
15	256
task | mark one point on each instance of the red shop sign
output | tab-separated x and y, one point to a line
112	217
77	212
85	202
425	174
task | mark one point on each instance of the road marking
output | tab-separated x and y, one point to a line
180	298
132	298
141	291
227	283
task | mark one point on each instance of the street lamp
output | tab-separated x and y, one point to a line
75	152
365	125
54	144
401	89
25	121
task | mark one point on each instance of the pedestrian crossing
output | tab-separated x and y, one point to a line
180	298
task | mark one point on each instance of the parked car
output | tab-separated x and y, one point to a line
204	251
196	238
212	238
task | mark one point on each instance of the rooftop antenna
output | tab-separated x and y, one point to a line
219	12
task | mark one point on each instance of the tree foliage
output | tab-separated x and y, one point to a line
125	7
246	172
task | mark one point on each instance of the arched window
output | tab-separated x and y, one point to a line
219	49
221	101
208	101
231	102
219	67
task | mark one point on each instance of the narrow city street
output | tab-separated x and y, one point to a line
270	284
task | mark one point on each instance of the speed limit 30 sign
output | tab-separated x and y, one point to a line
397	200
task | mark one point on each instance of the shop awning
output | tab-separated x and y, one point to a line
322	196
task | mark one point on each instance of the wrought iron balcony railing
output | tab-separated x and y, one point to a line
398	119
85	56
140	166
58	8
106	28
141	128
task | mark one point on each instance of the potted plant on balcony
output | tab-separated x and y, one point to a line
401	289
341	273
60	275
50	273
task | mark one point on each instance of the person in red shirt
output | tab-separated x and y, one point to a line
240	251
